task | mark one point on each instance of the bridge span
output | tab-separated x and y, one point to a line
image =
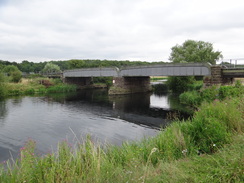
137	79
186	69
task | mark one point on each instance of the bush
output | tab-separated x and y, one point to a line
230	91
16	76
209	94
195	86
191	98
179	84
13	72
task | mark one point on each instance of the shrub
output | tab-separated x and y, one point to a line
195	86
209	94
16	76
179	84
13	72
230	91
191	98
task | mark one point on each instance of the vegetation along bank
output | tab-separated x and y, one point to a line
206	148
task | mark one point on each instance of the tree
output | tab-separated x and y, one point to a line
1	67
190	51
13	72
194	51
75	64
50	68
26	66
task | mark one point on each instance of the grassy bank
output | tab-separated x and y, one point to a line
35	86
206	148
194	98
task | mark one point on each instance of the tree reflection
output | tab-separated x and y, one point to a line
3	112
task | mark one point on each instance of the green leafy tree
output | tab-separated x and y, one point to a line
50	68
194	51
190	51
9	69
75	64
13	73
26	66
1	67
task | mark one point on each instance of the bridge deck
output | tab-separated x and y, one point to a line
186	69
233	72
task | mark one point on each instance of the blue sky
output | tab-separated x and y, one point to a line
42	30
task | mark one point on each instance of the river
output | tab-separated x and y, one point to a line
107	119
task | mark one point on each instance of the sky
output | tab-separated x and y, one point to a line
144	30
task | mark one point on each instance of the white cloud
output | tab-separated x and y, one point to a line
41	30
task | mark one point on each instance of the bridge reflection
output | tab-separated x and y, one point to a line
135	108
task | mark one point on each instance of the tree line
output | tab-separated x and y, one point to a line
32	67
189	51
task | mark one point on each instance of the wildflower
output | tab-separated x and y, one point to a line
154	150
184	151
129	172
214	145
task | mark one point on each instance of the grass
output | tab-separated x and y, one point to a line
37	85
206	148
195	97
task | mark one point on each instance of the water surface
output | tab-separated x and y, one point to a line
108	119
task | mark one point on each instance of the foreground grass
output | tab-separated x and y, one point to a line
206	148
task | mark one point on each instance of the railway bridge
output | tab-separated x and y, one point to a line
137	79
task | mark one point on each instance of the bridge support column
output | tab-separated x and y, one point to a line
127	85
216	77
79	81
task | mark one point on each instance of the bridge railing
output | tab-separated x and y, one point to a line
232	63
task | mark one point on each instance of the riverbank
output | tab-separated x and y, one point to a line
35	86
194	98
206	148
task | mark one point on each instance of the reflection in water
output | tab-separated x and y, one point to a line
51	119
160	102
3	112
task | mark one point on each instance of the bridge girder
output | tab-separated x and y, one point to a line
186	69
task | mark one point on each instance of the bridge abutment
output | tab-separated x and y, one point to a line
216	77
126	85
